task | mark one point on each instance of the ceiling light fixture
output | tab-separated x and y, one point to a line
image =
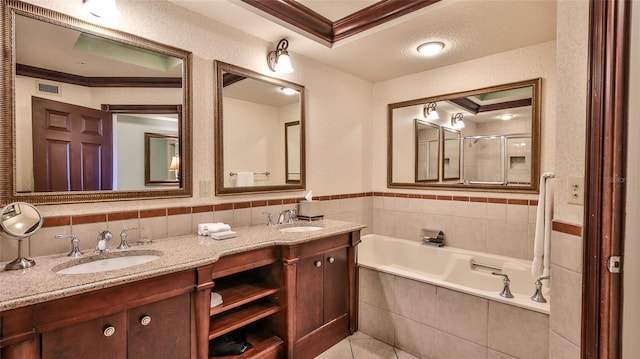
106	9
429	112
456	120
506	117
431	48
288	91
278	59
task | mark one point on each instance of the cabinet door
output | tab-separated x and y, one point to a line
160	329
309	288
336	284
102	338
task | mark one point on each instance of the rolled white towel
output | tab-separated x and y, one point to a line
218	227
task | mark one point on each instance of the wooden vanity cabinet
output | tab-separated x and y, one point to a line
150	318
321	287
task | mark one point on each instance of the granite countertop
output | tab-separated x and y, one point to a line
40	283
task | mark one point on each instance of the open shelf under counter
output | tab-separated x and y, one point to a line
239	317
264	345
239	294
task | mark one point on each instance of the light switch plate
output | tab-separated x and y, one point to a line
575	190
205	188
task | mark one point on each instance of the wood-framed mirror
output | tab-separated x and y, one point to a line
253	153
85	68
161	159
497	130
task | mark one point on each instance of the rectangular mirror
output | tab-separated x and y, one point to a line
253	153
490	140
67	75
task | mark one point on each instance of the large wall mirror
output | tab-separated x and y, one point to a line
485	139
78	99
259	129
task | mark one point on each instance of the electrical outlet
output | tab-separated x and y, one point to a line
205	188
575	190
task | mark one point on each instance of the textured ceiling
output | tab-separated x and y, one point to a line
470	28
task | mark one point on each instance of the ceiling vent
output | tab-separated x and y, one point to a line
48	89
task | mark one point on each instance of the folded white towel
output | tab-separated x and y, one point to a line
216	299
542	241
206	228
244	179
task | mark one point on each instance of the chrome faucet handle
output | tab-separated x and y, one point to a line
506	292
292	215
103	239
537	296
123	237
269	218
75	242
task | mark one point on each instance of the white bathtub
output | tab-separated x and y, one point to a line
451	268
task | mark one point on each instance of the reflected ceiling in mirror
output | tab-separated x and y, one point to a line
68	74
490	140
254	150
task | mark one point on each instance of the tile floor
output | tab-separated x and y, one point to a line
362	346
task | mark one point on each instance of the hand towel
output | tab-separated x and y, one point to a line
206	228
244	179
542	242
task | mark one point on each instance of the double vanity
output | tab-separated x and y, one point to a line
291	291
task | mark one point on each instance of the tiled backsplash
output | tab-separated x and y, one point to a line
488	224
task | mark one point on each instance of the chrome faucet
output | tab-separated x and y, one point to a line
432	237
75	242
537	296
291	215
123	237
103	239
506	292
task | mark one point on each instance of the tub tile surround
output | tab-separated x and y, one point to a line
459	326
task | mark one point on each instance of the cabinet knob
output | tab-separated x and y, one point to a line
318	264
145	320
331	259
108	331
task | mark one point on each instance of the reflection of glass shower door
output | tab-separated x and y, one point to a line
518	161
427	161
483	159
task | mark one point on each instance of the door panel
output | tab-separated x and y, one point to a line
309	284
336	284
166	335
88	340
85	161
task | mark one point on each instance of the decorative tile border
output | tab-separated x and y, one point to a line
567	228
55	221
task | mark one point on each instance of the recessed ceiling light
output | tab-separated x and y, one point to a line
288	91
431	48
506	117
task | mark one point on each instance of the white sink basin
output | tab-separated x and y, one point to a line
113	262
300	229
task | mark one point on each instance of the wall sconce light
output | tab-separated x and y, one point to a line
278	59
456	120
429	112
106	9
175	165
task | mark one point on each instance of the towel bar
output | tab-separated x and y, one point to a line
267	173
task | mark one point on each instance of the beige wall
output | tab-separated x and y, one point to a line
566	250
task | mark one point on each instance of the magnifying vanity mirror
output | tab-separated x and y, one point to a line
20	220
259	126
485	139
78	101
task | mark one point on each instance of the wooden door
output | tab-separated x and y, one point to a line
336	284
102	338
72	147
309	300
161	329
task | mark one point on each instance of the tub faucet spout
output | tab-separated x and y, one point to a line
432	237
